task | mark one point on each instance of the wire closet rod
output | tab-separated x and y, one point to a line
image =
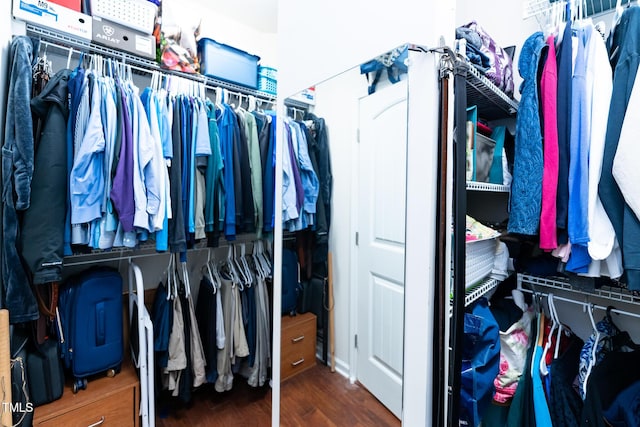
584	304
123	253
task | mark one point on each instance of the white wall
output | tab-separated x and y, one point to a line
223	26
318	39
337	102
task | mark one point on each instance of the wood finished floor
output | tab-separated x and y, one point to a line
313	398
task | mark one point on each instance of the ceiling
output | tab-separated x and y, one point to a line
259	14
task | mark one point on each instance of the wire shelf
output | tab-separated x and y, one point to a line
473	293
483	289
89	47
606	292
535	8
493	102
485	186
143	250
540	8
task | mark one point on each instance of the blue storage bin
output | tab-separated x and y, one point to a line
224	62
267	80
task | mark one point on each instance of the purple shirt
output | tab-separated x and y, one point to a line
122	189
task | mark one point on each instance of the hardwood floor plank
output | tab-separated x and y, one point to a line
313	398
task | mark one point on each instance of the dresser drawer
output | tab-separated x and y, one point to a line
114	410
298	344
105	402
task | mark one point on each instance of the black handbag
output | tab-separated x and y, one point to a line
45	373
312	298
22	406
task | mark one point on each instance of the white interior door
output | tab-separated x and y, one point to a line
381	243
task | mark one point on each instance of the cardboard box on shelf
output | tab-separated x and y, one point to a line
119	37
69	4
54	16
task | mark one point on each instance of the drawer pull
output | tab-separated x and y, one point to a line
298	362
97	423
300	338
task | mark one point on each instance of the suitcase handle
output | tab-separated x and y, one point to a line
100	324
97	423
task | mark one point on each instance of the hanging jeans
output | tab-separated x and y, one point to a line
17	171
480	362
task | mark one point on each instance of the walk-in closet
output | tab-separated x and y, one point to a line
198	255
319	213
542	338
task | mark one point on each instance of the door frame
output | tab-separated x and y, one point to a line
420	229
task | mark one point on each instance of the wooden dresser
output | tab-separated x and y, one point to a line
105	402
298	345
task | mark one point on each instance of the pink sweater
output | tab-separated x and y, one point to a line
549	95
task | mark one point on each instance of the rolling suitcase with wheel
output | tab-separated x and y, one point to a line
90	305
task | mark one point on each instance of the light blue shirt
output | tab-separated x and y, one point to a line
308	176
87	178
289	209
146	183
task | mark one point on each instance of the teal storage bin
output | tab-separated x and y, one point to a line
228	63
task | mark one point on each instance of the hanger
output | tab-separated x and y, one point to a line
593	349
554	324
559	335
243	278
252	103
260	262
209	271
245	265
235	278
185	279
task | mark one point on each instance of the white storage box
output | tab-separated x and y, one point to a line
479	260
51	15
137	14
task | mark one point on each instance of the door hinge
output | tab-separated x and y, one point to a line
357	238
355	340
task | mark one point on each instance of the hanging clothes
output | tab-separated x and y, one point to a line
578	160
17	172
42	242
606	382
207	315
549	93
526	187
603	248
625	223
214	181
225	376
565	405
565	72
225	120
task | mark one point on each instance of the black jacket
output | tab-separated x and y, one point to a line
42	238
